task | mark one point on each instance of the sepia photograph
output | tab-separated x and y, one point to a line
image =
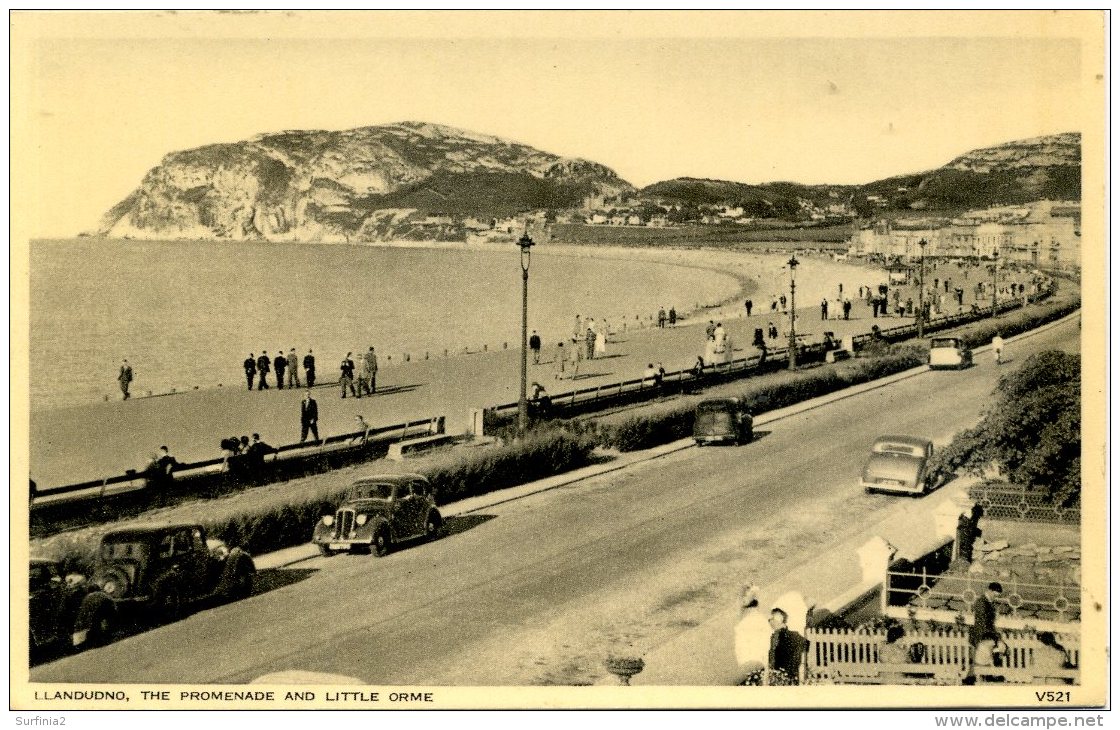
488	359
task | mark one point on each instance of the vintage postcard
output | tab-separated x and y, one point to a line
517	359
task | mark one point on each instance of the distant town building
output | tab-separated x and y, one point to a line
1043	233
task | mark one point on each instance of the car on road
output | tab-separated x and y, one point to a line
66	608
898	464
949	352
155	572
722	420
379	512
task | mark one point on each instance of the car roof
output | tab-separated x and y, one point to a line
141	531
719	402
389	479
907	440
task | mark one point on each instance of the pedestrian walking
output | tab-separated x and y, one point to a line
782	299
250	366
561	360
661	318
710	330
847	308
824	309
371	366
308	417
772	331
293	369
749	305
672	316
997	348
600	344
575	357
125	378
589	342
363	377
346	375
264	367
535	347
281	364
309	368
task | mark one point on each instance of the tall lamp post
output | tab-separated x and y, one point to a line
793	262
922	287
525	243
995	281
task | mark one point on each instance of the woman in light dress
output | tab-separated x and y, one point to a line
601	342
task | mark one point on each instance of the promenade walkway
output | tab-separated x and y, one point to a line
100	440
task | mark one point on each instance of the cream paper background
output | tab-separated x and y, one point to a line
31	214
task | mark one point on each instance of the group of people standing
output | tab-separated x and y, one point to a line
258	368
588	342
366	383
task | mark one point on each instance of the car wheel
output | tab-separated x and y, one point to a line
382	542
432	526
325	551
102	628
242	584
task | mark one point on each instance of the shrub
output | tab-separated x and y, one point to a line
283	519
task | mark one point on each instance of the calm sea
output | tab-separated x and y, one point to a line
187	314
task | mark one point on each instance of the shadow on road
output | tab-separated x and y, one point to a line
462	523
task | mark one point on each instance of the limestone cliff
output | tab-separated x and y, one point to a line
399	180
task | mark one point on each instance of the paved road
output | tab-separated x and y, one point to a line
426	614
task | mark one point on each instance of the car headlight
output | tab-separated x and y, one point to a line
362	519
328	520
110	587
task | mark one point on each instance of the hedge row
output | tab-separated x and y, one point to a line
666	422
286	516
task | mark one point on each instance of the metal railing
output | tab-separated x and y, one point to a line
1019	503
138	480
956	593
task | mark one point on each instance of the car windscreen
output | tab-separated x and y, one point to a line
943	343
371	491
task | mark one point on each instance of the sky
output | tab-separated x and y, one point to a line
811	98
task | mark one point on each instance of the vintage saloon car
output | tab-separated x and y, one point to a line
162	569
948	352
898	464
67	608
378	512
722	420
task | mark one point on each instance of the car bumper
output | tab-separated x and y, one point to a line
343	544
890	487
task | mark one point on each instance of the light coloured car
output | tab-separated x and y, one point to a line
899	465
949	352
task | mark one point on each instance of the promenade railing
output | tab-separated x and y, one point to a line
236	466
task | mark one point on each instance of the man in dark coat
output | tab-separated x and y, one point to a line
346	375
125	378
309	368
984	616
250	369
281	364
264	365
785	647
159	471
535	346
308	417
258	450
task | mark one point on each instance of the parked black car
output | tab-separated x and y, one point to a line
723	420
159	570
67	608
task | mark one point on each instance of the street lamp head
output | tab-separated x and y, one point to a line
526	244
793	262
923	243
